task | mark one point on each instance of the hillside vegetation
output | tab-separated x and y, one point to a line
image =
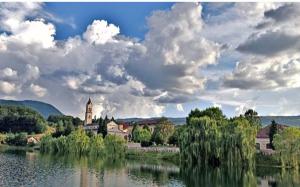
44	109
16	119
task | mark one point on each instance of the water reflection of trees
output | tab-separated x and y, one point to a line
105	171
278	177
199	176
157	174
231	177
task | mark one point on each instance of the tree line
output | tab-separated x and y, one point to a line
16	119
79	143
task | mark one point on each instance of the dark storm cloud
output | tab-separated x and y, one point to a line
244	84
284	13
174	98
156	76
269	43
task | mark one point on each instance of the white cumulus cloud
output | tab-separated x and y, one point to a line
38	90
100	32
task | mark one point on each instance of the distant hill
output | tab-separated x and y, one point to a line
44	109
176	121
285	120
265	120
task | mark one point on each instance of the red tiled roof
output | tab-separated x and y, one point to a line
264	132
148	122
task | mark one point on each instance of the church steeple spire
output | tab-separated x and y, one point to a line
89	101
88	112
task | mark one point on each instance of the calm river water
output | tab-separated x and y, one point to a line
20	168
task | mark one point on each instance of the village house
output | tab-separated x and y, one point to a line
112	127
263	140
34	139
120	128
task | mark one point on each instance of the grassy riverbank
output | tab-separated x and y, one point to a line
262	161
21	148
267	161
153	156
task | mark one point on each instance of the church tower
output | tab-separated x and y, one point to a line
88	112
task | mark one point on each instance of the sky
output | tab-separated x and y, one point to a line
152	59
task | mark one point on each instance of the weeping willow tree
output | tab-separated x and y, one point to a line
210	140
287	146
79	143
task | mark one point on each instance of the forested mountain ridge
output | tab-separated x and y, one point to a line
43	108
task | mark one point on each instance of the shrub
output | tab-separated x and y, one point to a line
114	145
18	139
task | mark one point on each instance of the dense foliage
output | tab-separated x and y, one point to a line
18	139
273	132
212	112
214	140
103	126
287	145
115	146
162	132
65	120
174	138
252	116
79	143
20	119
141	134
63	125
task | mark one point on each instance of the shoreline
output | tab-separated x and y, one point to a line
262	161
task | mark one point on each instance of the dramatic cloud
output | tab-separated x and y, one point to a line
38	90
270	43
100	32
284	13
271	75
270	55
235	56
7	87
174	51
8	73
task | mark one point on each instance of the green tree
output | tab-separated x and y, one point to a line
78	142
174	138
272	132
218	141
17	119
141	135
97	146
252	116
162	132
103	126
69	128
287	145
18	139
147	127
212	112
77	122
115	146
59	129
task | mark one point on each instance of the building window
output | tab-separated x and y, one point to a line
257	146
269	146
